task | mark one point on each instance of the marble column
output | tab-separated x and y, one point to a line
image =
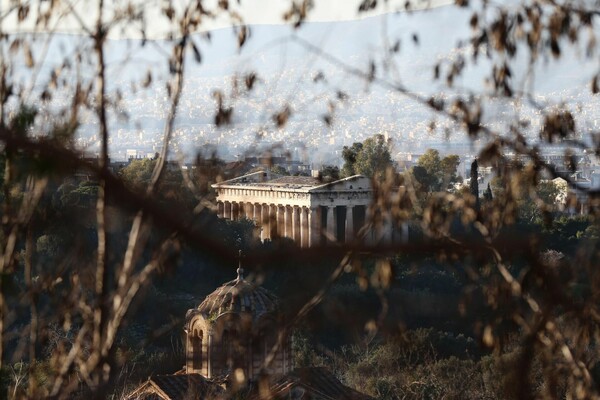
227	210
272	221
349	224
220	209
280	210
371	235
303	227
331	231
296	224
235	211
314	233
249	210
241	210
287	221
256	213
265	222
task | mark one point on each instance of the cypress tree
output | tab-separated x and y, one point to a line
487	195
474	184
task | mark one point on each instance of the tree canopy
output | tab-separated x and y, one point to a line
434	173
371	158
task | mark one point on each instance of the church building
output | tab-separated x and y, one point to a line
234	330
236	347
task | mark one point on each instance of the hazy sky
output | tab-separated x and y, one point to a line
253	12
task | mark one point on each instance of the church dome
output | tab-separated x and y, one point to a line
233	328
239	296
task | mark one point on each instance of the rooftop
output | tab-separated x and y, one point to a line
265	179
177	387
238	296
293	182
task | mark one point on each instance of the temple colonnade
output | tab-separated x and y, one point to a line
307	226
305	210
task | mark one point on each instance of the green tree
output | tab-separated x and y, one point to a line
449	169
426	180
431	163
497	185
474	183
435	173
532	205
547	191
330	172
279	170
350	154
487	195
374	158
138	172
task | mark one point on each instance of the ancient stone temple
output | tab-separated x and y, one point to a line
302	208
234	331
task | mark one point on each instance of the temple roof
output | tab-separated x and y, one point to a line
294	181
267	180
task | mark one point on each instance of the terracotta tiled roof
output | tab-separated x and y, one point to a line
239	296
303	383
312	383
177	387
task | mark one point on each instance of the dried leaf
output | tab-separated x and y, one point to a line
147	80
415	39
282	117
474	21
367	5
29	61
342	96
372	71
223	116
319	77
169	12
23	12
197	55
250	80
242	35
14	46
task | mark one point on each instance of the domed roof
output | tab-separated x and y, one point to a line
239	296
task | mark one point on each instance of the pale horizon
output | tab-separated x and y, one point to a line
269	13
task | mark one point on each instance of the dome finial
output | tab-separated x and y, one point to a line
240	270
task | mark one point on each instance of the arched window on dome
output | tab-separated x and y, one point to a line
197	337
